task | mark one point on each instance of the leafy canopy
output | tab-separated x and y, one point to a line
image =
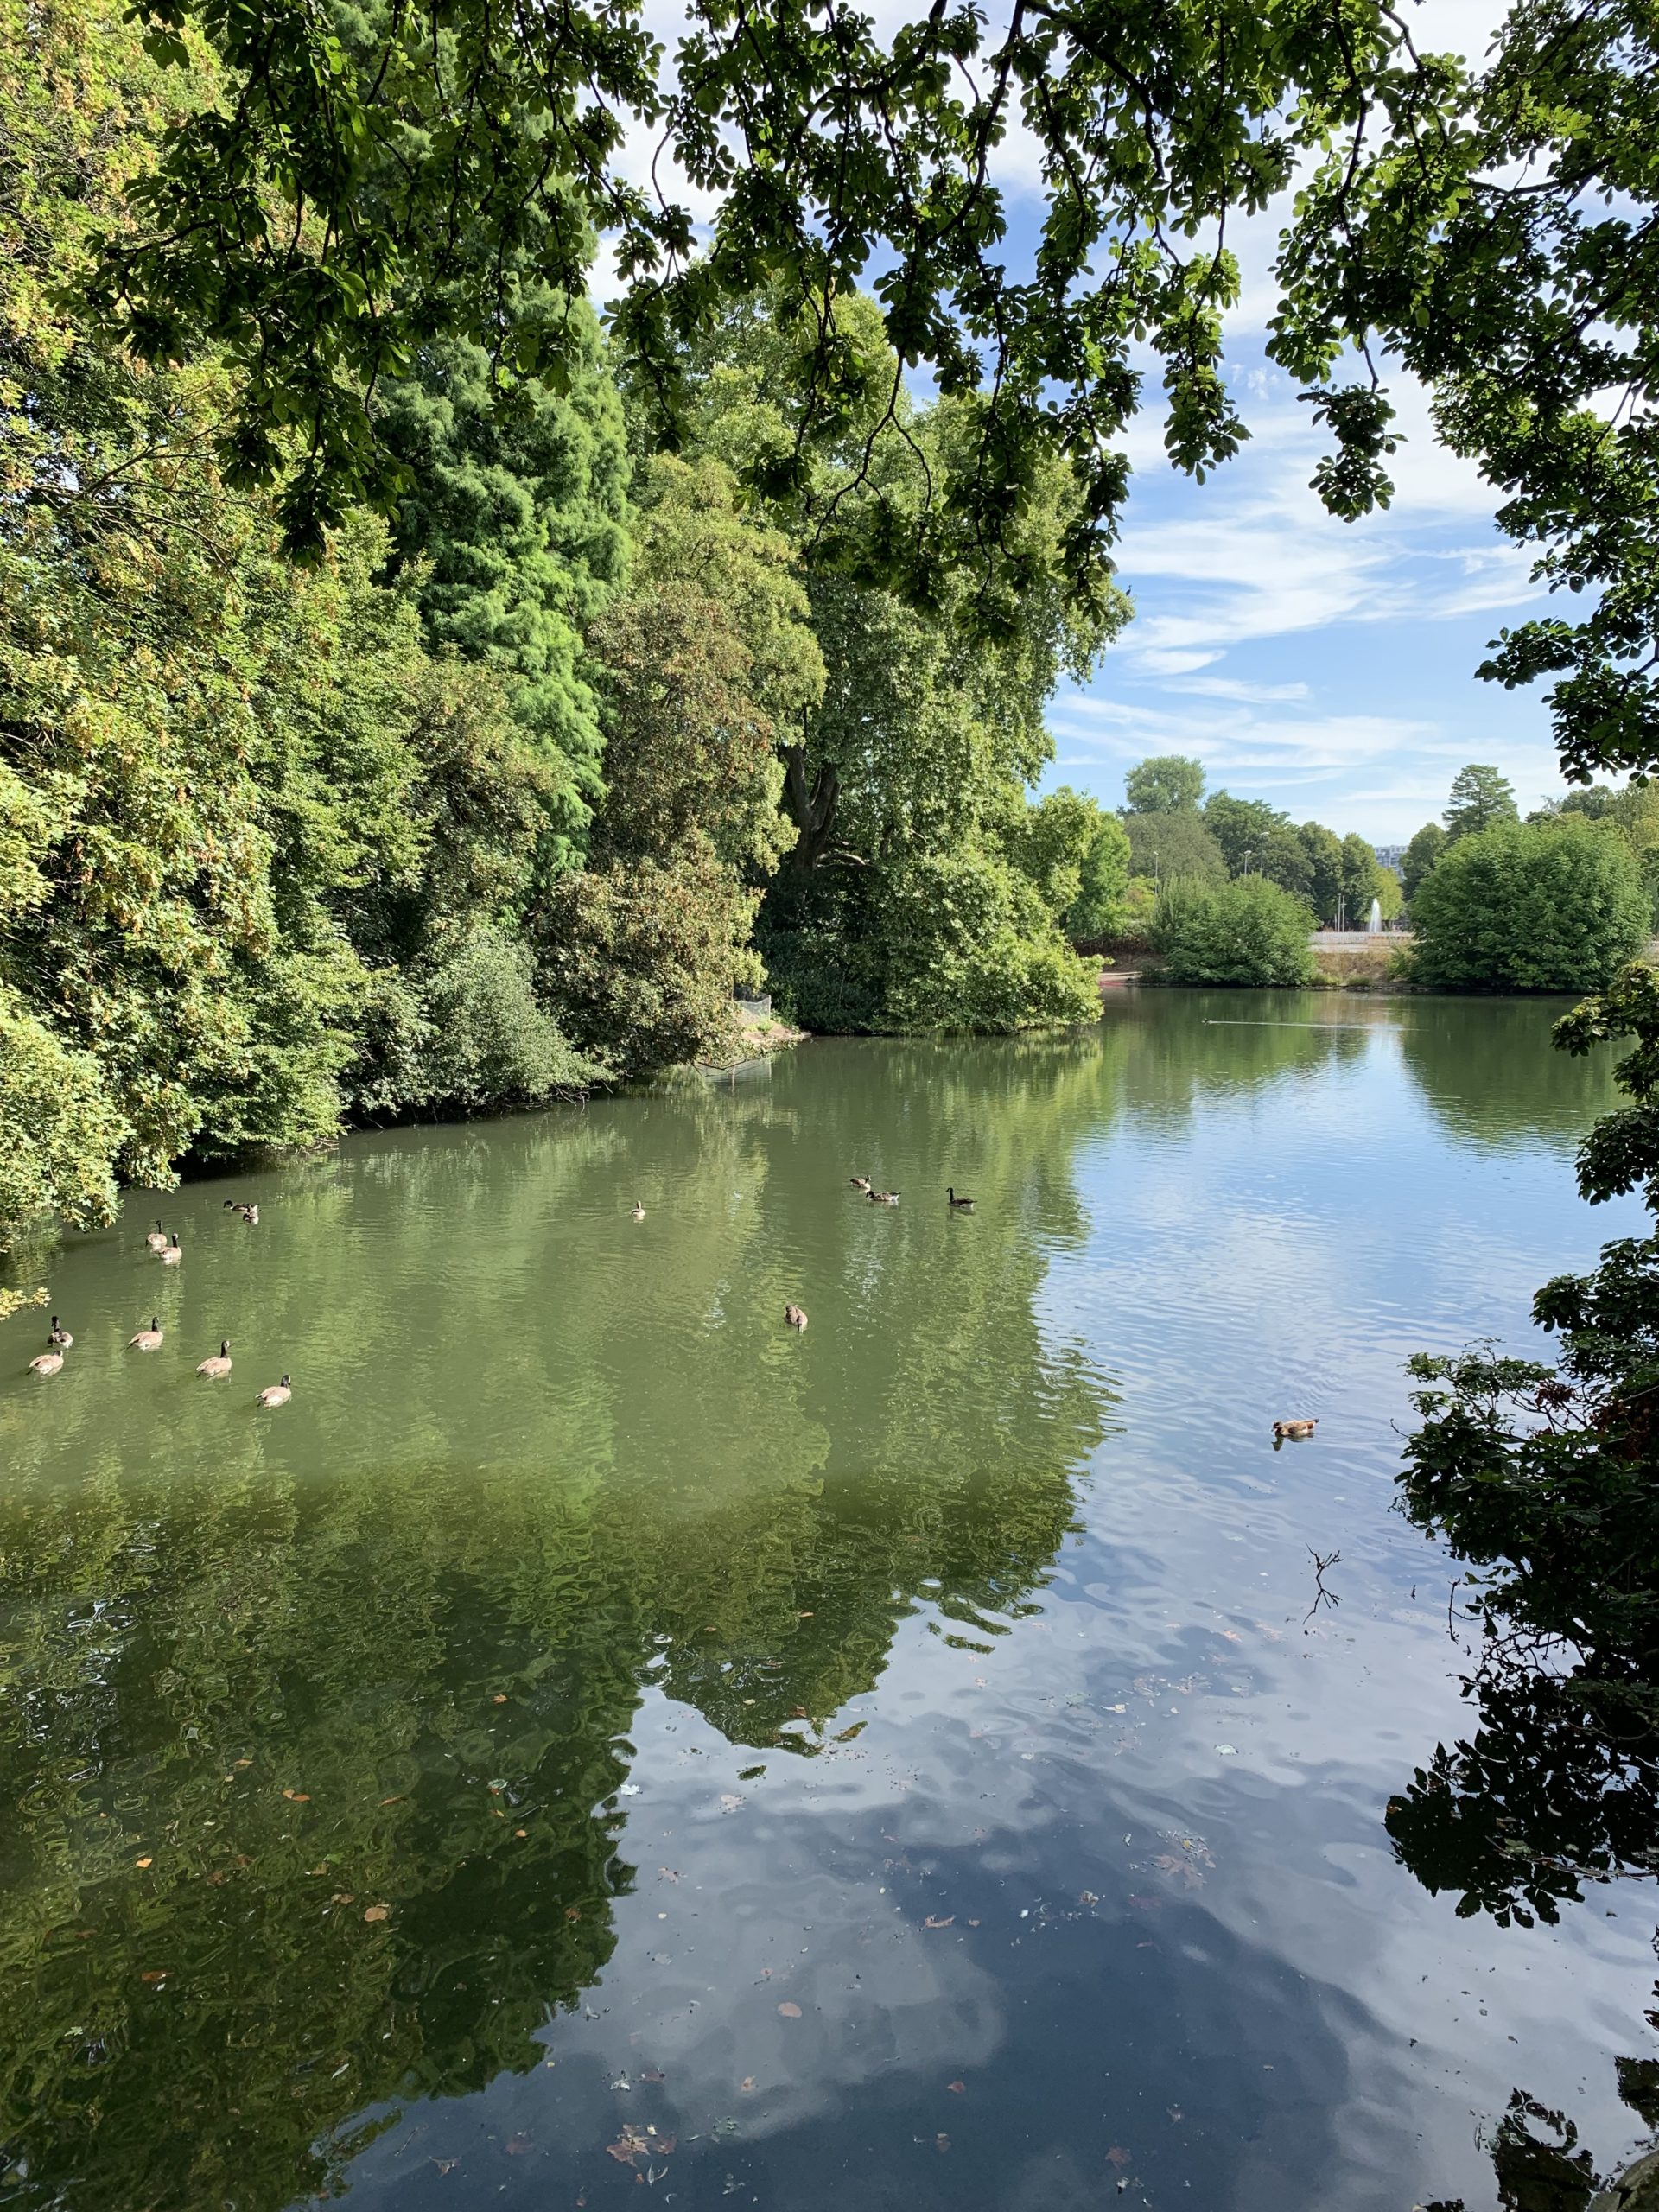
1487	227
1247	932
1530	906
1168	782
1480	796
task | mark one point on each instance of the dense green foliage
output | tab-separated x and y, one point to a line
918	888
483	809
1546	1479
307	225
1530	906
1100	907
1247	932
1633	811
518	527
1173	845
1168	782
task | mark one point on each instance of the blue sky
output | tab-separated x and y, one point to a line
1325	666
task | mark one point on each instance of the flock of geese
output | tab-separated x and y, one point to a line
795	1315
167	1250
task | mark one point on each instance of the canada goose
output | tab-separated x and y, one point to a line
638	1209
277	1394
249	1213
961	1205
862	1183
1282	1429
213	1369
173	1254
60	1339
48	1363
156	1239
795	1317
884	1198
147	1339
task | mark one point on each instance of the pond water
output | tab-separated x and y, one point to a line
596	1737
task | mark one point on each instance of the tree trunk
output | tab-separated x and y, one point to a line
813	811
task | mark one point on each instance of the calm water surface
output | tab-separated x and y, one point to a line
595	1738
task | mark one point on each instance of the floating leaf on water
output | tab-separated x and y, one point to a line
143	1862
572	1912
790	2012
941	2142
157	1974
958	2088
341	1897
296	1797
652	2073
444	2165
746	2084
516	2145
949	1923
521	1831
1117	2155
376	1912
500	1698
629	1790
1228	1750
729	1801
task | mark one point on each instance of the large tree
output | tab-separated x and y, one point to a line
1480	796
1174	848
1168	782
514	530
1530	906
1256	839
1489	226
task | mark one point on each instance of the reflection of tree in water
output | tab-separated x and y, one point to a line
1177	1047
1490	1078
405	1676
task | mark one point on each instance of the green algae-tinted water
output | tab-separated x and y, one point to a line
597	1739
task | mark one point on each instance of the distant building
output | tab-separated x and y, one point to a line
1390	855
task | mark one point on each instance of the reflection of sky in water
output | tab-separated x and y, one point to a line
1140	1804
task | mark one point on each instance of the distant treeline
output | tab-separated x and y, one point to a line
1230	889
